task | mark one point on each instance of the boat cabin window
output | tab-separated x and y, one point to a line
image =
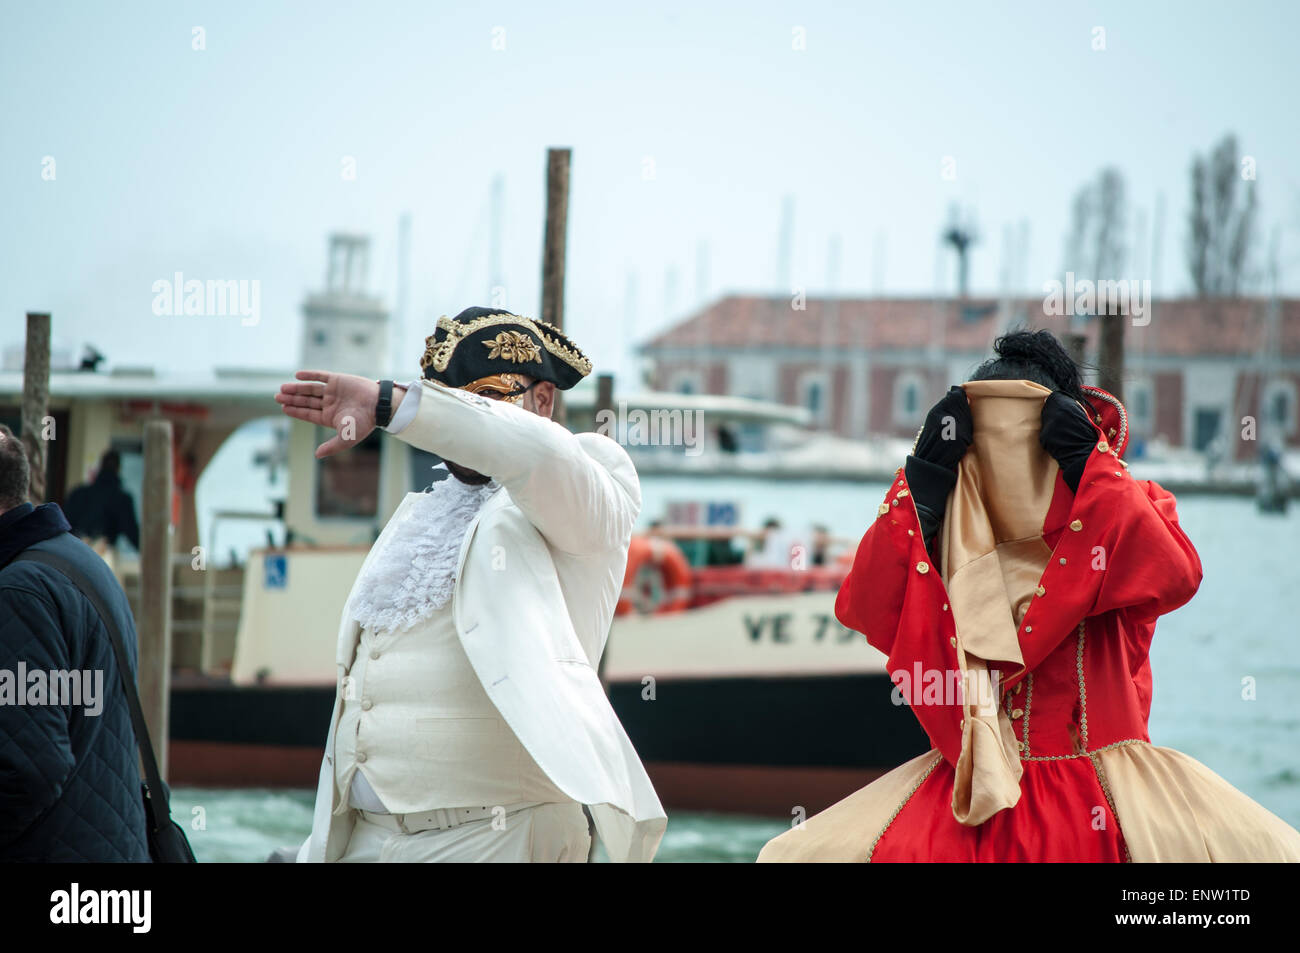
347	484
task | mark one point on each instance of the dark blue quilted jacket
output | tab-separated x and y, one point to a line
69	785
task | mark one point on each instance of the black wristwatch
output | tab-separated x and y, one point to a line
384	409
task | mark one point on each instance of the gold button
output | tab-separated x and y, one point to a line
953	641
893	503
945	607
902	493
1062	560
1029	628
1018	713
1104	447
1041	591
882	509
923	568
1076	525
911	532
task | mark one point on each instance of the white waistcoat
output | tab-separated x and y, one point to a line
418	724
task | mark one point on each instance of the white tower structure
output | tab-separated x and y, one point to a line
344	327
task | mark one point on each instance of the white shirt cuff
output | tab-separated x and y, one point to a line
408	408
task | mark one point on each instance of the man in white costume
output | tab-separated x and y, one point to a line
469	723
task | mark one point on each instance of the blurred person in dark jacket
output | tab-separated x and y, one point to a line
69	781
101	509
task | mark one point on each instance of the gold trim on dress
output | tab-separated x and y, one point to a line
1083	688
1088	754
1095	760
903	803
1114	402
1024	731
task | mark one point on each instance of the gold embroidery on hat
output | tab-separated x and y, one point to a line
514	346
438	354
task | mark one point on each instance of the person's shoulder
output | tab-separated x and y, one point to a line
606	451
24	580
69	548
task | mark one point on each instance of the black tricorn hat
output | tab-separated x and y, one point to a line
480	342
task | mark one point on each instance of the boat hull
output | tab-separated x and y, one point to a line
761	745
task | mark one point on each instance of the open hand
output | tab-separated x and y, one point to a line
344	402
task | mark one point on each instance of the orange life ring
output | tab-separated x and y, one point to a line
657	578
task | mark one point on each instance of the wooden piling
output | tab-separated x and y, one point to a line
1110	355
36	399
604	397
554	245
1074	346
155	618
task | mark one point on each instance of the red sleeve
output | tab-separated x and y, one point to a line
896	598
1119	548
1152	567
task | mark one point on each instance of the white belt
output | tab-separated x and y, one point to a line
444	818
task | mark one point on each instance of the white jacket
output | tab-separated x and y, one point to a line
540	571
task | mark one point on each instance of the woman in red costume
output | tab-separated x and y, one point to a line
1013	575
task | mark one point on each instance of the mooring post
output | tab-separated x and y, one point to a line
36	399
153	669
1074	345
553	247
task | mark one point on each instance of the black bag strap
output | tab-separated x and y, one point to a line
157	794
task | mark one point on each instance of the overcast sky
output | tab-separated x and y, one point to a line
690	124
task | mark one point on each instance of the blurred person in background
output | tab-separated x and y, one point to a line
102	512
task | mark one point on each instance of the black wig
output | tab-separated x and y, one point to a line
1033	356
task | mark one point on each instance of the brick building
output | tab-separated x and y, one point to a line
876	365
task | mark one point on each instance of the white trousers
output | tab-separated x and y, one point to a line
544	834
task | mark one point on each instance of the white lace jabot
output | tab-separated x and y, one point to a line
413	575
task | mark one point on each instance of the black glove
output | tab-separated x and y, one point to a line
930	485
947	432
1068	435
932	468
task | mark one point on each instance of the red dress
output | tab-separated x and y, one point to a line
1078	707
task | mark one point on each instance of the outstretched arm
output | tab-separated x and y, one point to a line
583	499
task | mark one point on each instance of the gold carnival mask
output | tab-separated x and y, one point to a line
508	387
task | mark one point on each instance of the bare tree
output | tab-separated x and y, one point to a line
1096	250
1108	248
1095	244
1221	223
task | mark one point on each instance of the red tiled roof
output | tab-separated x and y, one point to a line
1181	327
